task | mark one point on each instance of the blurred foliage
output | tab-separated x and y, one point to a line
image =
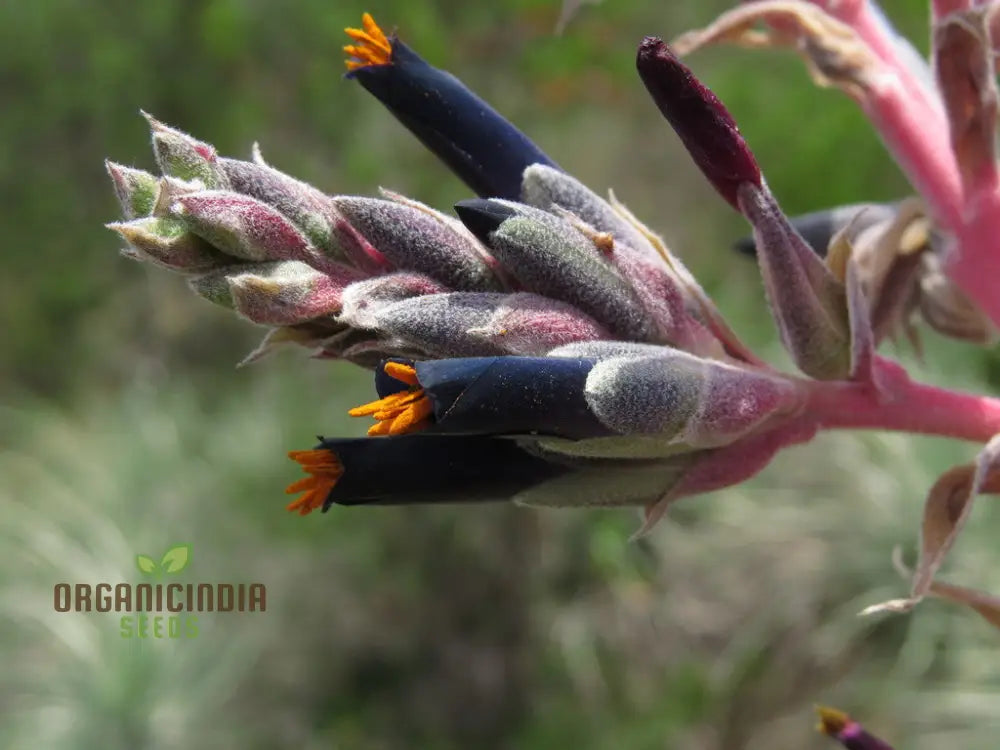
125	426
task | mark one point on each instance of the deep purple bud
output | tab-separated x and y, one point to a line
703	124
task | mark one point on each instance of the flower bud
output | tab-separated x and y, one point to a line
696	402
136	189
168	243
529	325
420	240
241	226
311	210
284	293
362	298
437	324
180	155
544	187
550	257
667	300
703	124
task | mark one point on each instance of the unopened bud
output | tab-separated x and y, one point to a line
180	155
244	227
284	293
544	187
420	240
311	210
168	243
437	324
700	120
529	325
667	300
136	189
550	257
363	298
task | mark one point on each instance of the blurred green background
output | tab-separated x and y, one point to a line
124	426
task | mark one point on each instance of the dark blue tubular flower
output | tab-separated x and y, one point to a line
418	468
544	429
485	396
481	147
445	422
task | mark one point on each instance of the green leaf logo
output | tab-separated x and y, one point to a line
176	558
147	565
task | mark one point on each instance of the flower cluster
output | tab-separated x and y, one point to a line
542	344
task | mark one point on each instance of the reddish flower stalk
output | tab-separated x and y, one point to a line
968	205
907	113
904	406
916	134
938	121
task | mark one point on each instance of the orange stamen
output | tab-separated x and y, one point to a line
398	413
373	46
403	373
324	469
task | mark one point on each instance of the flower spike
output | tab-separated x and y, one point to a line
546	347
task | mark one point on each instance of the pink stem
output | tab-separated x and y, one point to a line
974	262
920	143
911	119
908	114
908	407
